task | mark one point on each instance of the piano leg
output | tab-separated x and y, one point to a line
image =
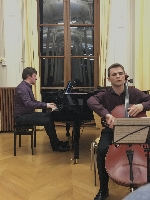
76	138
67	129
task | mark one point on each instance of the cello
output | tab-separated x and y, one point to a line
127	164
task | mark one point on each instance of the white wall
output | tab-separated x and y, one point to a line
11	40
120	41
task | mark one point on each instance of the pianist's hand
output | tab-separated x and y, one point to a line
52	106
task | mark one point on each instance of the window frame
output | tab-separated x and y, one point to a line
67	42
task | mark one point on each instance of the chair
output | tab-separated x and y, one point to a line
94	157
25	130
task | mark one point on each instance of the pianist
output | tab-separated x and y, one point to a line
25	105
103	103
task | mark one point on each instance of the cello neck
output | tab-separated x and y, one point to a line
127	105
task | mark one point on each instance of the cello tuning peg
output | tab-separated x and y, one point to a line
131	80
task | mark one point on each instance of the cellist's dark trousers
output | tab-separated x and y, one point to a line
103	146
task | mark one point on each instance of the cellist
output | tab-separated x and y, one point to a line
103	103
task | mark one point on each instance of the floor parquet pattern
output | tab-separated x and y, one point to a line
49	175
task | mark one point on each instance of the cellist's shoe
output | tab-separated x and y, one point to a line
102	195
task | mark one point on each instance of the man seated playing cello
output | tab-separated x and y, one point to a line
103	103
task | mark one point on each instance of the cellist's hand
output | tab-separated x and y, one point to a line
110	120
135	109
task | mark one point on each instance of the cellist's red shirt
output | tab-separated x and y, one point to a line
106	100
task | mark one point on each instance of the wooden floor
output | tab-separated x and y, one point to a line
49	175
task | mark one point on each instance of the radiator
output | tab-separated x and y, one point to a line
6	109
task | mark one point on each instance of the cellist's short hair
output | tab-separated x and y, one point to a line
115	65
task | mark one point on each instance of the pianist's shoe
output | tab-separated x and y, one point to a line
61	147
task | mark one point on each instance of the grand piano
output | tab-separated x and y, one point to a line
72	109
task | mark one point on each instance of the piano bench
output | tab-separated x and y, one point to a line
25	130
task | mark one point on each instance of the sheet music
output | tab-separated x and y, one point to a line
132	121
131	130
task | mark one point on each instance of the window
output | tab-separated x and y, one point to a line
69	43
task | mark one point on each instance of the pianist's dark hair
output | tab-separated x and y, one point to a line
28	71
115	65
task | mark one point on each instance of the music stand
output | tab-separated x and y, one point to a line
133	131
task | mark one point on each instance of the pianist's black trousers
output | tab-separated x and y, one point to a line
39	119
103	146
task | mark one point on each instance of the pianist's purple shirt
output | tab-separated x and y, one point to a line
105	101
24	101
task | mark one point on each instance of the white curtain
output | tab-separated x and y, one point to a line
31	41
142	44
104	26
